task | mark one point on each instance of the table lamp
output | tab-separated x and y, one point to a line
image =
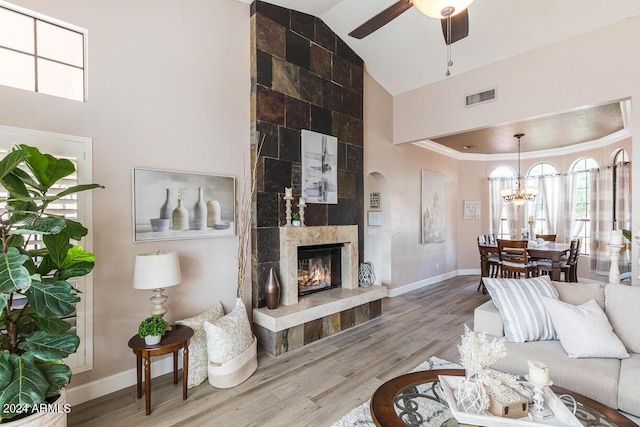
157	271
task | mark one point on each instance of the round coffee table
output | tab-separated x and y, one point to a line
398	402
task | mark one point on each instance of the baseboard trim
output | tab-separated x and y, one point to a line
420	284
98	388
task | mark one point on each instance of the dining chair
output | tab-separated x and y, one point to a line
493	263
514	259
568	266
546	237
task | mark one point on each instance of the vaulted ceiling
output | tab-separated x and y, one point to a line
409	52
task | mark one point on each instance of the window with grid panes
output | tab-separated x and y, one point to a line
540	169
583	194
503	172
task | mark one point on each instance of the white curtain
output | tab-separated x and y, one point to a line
548	187
623	210
567	226
601	219
495	202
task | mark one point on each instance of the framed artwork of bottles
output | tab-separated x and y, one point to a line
171	205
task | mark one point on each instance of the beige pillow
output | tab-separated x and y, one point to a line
579	293
198	361
583	330
623	311
228	336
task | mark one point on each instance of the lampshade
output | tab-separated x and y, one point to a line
434	8
156	270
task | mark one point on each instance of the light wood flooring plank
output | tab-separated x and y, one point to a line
314	385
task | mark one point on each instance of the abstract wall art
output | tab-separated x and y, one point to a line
433	224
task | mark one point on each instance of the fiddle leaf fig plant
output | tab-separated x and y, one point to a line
35	295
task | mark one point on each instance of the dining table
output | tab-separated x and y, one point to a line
546	250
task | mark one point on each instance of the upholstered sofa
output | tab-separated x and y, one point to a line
612	381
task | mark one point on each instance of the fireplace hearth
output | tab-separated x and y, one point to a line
319	268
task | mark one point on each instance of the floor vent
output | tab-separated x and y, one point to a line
477	98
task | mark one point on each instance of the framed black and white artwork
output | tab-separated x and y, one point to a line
319	167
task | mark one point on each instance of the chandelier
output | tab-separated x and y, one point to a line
519	196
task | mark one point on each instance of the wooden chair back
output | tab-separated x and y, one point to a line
514	259
546	237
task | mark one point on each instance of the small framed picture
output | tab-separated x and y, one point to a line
374	219
471	209
374	200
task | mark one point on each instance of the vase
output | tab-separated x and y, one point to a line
180	217
272	290
152	339
213	213
471	395
167	207
366	275
200	212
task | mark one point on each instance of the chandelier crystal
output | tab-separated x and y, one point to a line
520	195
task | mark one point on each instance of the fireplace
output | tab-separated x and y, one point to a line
319	268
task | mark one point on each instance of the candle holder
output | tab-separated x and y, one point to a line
301	212
532	235
614	271
287	201
537	410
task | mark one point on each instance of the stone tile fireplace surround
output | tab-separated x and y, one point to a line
301	320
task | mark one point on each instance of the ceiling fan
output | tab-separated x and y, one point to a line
452	13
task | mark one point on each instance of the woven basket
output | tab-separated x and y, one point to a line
235	371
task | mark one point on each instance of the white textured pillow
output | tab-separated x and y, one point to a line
198	369
519	302
228	336
584	330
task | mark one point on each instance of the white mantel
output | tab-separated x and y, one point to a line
293	237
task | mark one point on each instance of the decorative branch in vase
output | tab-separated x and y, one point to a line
243	207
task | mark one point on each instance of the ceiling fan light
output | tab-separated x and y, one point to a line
434	8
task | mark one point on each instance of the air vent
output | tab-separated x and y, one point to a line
477	98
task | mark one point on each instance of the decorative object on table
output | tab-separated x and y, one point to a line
159	190
319	160
519	196
366	274
482	388
157	271
180	215
198	359
213	213
152	329
539	377
301	206
433	220
272	290
531	222
200	212
295	219
167	207
36	294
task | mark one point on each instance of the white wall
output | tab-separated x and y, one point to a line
169	88
591	69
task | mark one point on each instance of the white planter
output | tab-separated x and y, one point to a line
48	417
152	339
235	371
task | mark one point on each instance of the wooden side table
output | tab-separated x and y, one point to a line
175	339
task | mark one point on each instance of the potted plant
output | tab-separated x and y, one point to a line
295	219
35	294
152	329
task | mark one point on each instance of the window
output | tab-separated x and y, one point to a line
583	194
41	54
620	157
77	206
540	215
508	173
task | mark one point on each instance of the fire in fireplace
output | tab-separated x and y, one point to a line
319	268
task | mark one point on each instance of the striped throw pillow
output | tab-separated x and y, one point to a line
519	302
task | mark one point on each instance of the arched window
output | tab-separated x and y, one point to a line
621	156
503	172
539	209
583	194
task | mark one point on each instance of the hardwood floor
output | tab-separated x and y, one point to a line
317	384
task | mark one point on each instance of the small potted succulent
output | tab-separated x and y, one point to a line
152	329
295	219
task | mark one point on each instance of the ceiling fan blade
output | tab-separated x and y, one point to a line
381	19
459	27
